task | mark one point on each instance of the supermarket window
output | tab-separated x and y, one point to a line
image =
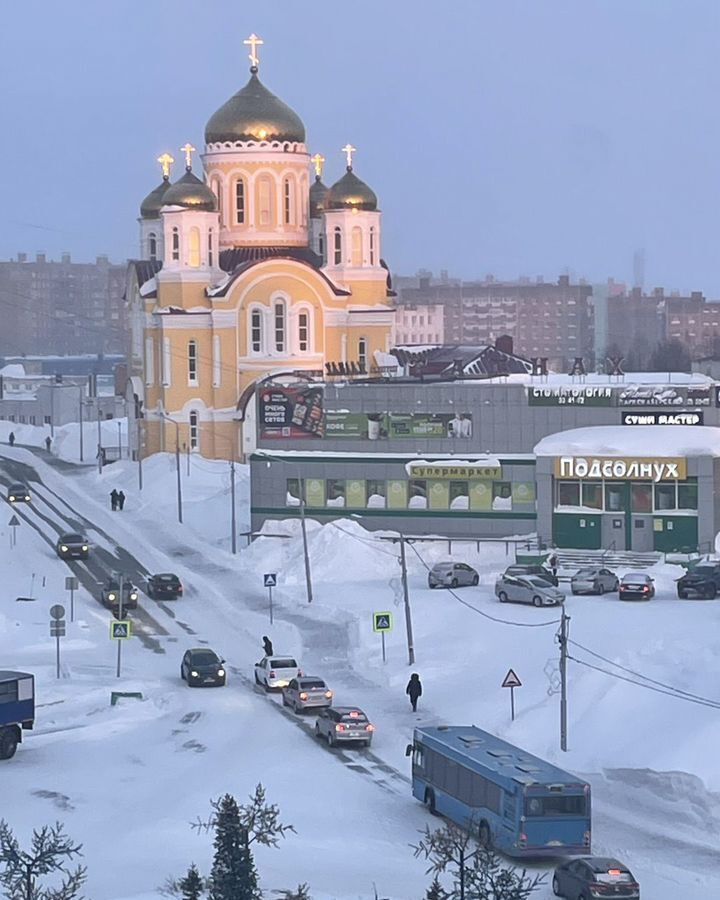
687	495
335	495
592	494
641	497
459	495
417	494
665	496
376	494
502	495
614	498
292	492
568	493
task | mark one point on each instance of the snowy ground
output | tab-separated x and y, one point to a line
132	777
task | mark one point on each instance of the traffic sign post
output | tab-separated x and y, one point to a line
57	630
270	581
511	681
121	629
382	622
71	584
13	523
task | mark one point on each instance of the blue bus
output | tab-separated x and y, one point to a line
17	709
506	797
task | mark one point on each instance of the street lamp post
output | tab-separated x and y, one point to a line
100	447
177	464
80	409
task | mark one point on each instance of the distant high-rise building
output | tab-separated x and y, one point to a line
62	307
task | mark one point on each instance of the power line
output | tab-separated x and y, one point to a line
370	543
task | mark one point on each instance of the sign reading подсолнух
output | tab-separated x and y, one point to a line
621	468
663	418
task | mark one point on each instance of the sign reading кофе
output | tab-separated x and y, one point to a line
621	468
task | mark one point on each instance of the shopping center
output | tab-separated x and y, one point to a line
629	462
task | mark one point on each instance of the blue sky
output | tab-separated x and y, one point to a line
509	137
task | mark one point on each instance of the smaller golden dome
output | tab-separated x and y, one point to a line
150	207
318	193
191	193
350	193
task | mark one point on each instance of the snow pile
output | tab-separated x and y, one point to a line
650	440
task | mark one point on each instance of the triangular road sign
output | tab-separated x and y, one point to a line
511	680
270	579
14	522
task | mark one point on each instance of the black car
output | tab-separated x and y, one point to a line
72	546
202	666
164	586
636	586
595	876
536	570
110	594
702	581
18	493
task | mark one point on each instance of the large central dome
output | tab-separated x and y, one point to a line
254	114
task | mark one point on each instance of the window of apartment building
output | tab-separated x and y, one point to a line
192	362
194	429
303	332
280	326
240	202
46	419
32	420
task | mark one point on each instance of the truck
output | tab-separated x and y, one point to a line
17	709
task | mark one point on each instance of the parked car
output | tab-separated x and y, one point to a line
527	589
588	877
452	574
72	546
276	671
636	586
535	570
344	724
702	581
164	586
594	581
308	692
110	594
202	666
18	493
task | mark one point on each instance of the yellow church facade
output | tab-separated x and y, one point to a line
253	273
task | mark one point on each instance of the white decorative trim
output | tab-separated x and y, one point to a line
166	362
250	147
216	361
224	318
149	364
185	321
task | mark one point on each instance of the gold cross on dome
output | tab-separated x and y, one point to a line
348	150
165	161
318	161
188	150
253	42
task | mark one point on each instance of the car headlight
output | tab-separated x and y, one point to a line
133	596
12	499
221	673
27	496
193	674
63	548
85	547
111	596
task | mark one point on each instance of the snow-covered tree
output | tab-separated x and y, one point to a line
233	875
191	887
50	853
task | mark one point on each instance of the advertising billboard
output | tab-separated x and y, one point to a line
295	411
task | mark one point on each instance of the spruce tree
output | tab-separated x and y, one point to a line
436	891
233	875
191	886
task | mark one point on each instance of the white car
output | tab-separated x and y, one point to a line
529	589
276	671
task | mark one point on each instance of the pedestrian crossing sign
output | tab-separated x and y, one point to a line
121	629
382	621
270	579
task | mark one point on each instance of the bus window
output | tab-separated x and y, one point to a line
555	806
418	760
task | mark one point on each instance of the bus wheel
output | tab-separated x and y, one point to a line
8	744
430	802
485	836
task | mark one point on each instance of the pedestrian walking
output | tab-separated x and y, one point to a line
267	645
48	443
113	499
11	439
121	500
553	563
414	690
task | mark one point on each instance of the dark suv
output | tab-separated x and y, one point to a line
702	581
536	570
164	586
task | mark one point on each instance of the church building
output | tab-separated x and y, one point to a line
252	270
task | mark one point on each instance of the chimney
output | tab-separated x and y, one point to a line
22	257
39	257
504	343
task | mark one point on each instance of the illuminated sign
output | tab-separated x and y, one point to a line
663	418
615	468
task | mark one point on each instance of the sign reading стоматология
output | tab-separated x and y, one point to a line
582	395
621	468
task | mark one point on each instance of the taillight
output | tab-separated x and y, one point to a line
303	696
328	694
179	590
522	841
369	727
339	728
299	674
586	839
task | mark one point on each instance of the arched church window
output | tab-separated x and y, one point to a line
287	201
194	429
303	332
211	238
256	331
175	244
372	246
280	326
362	354
338	245
240	202
194	248
265	200
356	247
152	245
192	362
321	246
218	194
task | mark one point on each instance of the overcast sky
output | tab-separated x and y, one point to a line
513	137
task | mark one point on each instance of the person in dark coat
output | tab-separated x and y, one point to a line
48	443
553	562
11	439
414	690
121	500
113	499
267	645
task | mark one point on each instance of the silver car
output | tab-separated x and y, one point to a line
307	692
344	724
452	574
527	589
594	581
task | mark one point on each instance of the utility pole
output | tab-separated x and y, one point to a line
140	444
119	425
562	640
308	576
80	406
99	453
177	466
233	527
187	454
406	596
120	615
